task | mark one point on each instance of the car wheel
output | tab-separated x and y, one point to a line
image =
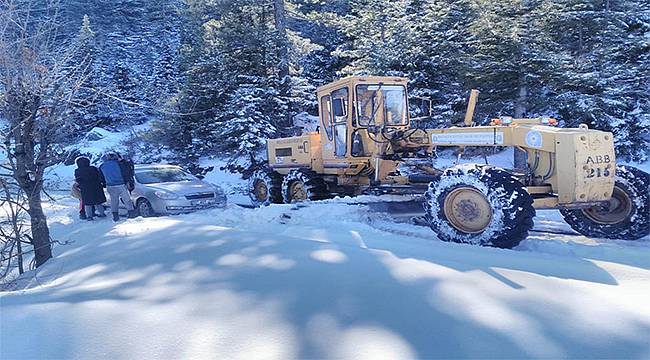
144	208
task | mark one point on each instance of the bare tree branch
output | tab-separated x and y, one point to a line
40	79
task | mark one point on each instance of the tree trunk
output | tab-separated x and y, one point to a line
283	55
40	231
27	173
15	219
19	253
520	156
281	27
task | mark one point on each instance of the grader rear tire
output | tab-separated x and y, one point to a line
265	188
479	205
302	185
625	217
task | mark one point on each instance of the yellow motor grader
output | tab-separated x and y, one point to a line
365	144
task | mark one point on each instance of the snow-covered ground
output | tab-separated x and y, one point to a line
326	280
332	279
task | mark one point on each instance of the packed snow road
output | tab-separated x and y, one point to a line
327	280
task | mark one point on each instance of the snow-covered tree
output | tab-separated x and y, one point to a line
582	61
381	37
442	56
246	124
607	82
39	80
85	109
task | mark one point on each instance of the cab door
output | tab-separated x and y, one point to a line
327	137
334	118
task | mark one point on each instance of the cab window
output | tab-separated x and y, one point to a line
339	120
326	105
387	100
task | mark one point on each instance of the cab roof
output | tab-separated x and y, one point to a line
352	80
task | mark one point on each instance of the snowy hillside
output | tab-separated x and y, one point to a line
327	280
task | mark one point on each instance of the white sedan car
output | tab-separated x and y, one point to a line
168	189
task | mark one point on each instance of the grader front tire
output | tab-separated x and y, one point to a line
479	205
627	214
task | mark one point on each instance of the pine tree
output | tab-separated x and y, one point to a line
230	97
581	61
85	109
246	125
516	61
442	57
319	22
247	43
607	82
381	37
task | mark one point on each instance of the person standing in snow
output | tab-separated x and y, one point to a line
128	172
91	187
116	185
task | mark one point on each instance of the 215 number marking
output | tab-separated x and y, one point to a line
597	172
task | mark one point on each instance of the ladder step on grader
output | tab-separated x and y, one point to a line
365	144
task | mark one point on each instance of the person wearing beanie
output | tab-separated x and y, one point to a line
91	187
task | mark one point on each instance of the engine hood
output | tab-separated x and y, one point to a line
183	188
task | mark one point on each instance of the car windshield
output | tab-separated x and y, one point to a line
387	100
162	175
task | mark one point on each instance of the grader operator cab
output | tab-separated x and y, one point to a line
365	144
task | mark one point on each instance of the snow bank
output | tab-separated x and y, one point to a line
232	183
321	281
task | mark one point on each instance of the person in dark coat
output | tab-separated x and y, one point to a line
128	171
91	183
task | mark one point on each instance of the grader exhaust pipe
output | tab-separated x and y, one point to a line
469	116
471	106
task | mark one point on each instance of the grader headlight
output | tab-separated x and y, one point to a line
506	120
548	121
501	121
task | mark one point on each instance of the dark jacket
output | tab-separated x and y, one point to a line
128	172
91	182
112	172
